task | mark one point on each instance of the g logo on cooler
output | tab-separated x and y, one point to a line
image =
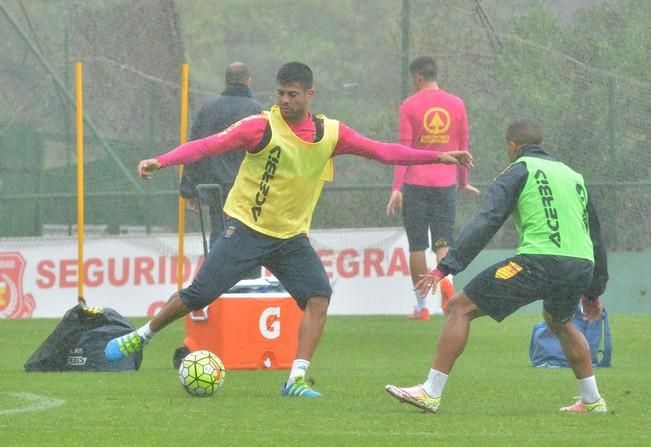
269	323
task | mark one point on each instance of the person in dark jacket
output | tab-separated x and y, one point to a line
561	259
233	104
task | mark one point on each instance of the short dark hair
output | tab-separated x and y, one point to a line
237	73
295	72
525	131
424	66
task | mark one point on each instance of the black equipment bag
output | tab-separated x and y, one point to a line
78	342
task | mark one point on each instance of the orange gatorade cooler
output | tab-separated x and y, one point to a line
246	330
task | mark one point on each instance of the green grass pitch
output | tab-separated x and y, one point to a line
492	398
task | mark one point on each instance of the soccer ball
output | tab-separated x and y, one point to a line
201	373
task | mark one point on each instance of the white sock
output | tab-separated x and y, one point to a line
145	332
435	383
299	369
421	301
588	389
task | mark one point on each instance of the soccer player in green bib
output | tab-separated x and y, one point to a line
561	260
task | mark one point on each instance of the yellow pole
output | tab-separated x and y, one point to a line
80	182
184	137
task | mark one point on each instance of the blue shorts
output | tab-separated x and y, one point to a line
240	249
428	211
558	281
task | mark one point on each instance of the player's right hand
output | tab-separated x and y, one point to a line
147	167
456	157
395	203
428	282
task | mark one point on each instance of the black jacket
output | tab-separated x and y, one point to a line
498	205
233	104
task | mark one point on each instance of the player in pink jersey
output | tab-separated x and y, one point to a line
430	120
288	149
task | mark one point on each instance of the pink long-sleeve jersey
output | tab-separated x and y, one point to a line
433	119
248	133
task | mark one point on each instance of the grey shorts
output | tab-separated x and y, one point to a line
240	249
428	212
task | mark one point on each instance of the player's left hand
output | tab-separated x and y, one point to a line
456	158
591	309
470	190
427	283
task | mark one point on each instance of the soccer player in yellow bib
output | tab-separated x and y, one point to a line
288	157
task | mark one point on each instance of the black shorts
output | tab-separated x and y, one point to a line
432	210
505	287
240	249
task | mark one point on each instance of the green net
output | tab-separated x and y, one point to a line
132	55
579	67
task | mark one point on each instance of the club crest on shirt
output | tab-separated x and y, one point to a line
436	121
440	243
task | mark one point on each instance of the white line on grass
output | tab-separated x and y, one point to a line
36	403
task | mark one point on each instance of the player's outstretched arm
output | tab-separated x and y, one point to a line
456	158
146	168
353	143
243	135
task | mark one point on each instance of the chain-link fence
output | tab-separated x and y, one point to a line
132	54
584	75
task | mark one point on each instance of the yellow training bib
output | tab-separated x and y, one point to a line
277	189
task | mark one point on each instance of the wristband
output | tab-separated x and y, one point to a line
438	273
